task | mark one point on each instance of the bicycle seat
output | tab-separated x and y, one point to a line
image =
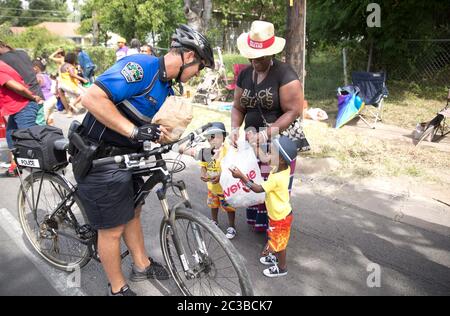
61	144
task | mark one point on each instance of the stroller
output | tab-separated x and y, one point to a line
437	124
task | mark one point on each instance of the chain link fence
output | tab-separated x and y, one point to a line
428	61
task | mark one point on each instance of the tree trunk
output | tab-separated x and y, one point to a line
95	33
295	37
198	14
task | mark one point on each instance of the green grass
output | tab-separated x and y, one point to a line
407	104
359	156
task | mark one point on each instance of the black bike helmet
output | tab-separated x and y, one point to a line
186	37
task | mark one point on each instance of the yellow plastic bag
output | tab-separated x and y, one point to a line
175	115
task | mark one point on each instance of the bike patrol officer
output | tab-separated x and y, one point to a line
120	105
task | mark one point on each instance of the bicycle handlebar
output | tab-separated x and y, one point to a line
158	150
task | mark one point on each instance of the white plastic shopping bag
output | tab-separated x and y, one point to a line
235	192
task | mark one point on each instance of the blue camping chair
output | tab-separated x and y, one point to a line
373	90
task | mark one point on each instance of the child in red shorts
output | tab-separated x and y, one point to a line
279	209
210	159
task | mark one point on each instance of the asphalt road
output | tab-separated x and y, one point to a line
336	248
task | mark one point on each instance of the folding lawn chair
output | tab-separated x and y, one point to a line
373	90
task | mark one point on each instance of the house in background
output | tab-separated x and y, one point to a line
67	30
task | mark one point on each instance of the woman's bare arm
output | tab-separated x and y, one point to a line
291	101
21	90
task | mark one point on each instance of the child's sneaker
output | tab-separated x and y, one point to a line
269	260
231	233
274	272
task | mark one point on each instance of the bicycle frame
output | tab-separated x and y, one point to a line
160	174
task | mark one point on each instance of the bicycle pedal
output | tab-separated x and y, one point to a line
86	232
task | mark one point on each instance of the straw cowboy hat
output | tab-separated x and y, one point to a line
260	41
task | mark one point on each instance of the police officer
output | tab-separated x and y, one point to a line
120	105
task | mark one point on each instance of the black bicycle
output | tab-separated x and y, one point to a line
201	260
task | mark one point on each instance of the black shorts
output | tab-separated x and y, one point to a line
107	196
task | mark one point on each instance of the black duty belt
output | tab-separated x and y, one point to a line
110	151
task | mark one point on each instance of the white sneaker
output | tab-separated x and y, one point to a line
274	272
231	233
269	260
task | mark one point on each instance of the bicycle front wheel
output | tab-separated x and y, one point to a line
215	266
53	220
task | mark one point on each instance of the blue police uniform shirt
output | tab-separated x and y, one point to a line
136	85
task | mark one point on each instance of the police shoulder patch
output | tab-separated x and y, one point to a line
132	72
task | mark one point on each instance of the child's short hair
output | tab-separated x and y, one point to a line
40	63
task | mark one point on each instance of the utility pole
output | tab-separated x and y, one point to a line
296	37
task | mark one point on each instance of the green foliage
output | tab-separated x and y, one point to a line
38	11
230	59
102	57
12	14
336	22
270	10
36	40
45	10
135	18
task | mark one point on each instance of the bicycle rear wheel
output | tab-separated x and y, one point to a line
218	271
55	238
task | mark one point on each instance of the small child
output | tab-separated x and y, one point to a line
48	89
210	159
282	152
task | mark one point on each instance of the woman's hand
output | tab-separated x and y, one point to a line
234	136
257	139
38	99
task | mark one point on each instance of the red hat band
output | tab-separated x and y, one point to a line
260	44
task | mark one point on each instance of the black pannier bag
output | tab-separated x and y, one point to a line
34	147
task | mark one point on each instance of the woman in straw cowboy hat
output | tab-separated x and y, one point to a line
268	98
